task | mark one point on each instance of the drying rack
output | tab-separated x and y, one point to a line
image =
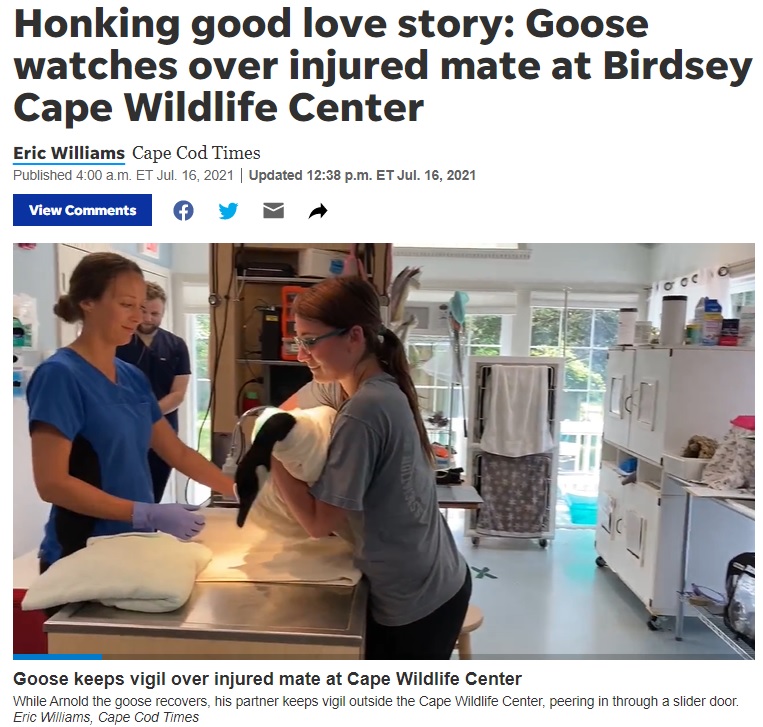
480	370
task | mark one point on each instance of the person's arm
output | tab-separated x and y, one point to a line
319	519
166	443
175	398
50	465
347	474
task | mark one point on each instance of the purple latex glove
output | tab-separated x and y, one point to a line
182	521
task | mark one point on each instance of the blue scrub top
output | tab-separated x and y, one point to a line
109	425
166	358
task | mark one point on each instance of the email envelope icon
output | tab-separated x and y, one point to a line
272	210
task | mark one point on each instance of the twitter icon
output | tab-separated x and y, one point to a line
227	212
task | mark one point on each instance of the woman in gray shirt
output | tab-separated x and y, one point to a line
379	475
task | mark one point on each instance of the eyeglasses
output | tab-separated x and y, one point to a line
309	342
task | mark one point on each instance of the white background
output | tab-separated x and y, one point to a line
556	161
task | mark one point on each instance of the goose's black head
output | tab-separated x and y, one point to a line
274	430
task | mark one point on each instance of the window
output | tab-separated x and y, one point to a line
431	361
192	322
483	335
197	325
742	293
587	333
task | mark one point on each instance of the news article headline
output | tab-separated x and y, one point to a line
221	105
231	680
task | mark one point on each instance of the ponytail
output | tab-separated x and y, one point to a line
390	351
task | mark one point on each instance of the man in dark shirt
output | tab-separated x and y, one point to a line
164	358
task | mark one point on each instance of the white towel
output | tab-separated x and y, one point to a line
517	412
257	553
149	572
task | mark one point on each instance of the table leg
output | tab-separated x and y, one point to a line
684	568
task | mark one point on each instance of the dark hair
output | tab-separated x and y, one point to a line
154	291
345	302
90	279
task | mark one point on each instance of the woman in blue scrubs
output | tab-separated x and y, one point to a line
93	419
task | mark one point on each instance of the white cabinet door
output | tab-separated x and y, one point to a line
640	525
617	405
650	403
68	257
610	490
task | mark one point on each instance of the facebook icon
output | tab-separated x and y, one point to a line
183	210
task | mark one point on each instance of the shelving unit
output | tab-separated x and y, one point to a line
236	326
657	398
714	622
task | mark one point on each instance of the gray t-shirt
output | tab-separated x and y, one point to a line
377	471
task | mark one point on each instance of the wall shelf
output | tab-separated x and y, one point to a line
277	281
236	327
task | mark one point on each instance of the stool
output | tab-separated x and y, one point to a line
472	622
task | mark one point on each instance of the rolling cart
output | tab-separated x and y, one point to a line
519	493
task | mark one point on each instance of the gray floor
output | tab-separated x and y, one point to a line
556	603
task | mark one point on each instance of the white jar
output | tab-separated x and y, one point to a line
673	323
626	326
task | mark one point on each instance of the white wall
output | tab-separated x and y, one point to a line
585	267
190	258
672	260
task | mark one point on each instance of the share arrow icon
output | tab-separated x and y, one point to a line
318	211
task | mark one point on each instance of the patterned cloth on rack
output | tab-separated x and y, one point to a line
515	493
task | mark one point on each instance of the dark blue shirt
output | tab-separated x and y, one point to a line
166	358
109	425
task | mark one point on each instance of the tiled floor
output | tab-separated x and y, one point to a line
556	603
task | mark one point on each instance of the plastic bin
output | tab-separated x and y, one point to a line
583	508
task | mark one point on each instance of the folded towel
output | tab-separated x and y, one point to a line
149	572
517	412
272	548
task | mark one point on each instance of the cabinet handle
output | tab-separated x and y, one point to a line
617	526
625	404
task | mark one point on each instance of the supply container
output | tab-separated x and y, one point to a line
289	349
316	263
729	332
747	326
673	325
583	508
643	333
251	401
626	326
712	322
694	334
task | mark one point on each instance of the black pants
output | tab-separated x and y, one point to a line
432	637
160	473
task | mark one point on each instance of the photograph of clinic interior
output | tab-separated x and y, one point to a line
590	411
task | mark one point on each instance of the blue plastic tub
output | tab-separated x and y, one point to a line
583	508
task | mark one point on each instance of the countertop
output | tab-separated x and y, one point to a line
236	608
306	614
